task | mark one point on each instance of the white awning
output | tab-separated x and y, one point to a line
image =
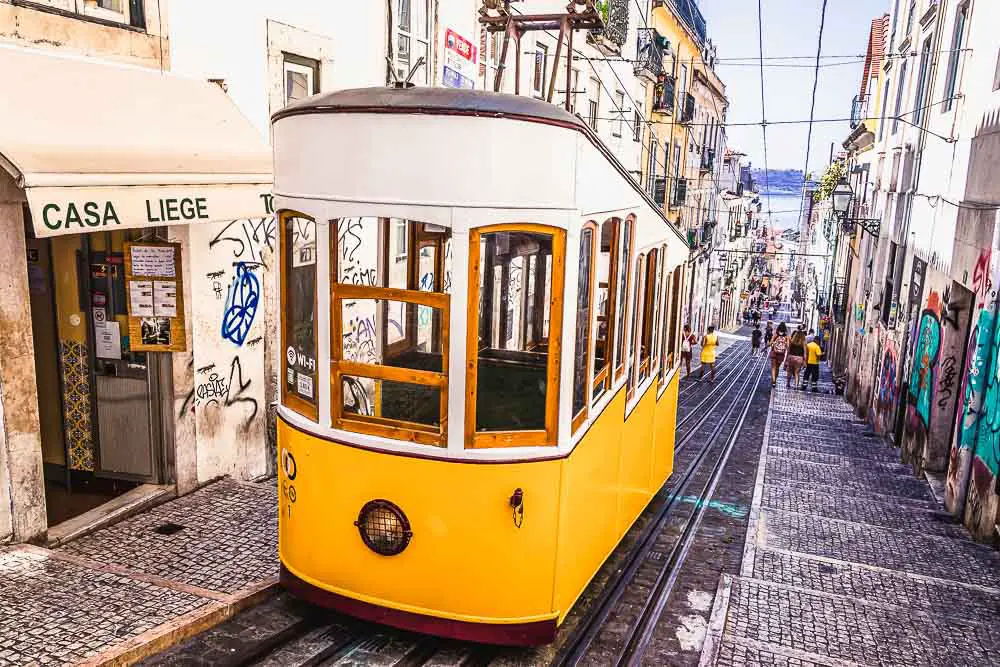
98	146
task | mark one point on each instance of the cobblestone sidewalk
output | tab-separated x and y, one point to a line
849	559
135	587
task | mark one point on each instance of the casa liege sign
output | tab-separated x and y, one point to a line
102	214
76	210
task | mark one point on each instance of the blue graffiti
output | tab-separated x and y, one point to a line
729	509
241	304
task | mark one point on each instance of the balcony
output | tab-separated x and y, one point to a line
858	110
839	304
649	55
679	193
687	11
708	160
687	111
663	95
614	13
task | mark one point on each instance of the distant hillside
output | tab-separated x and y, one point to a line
779	181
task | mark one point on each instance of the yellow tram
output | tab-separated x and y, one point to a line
480	324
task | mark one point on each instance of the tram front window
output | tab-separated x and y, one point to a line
390	318
518	272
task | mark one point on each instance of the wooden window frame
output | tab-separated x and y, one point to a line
377	425
529	438
595	239
288	399
603	375
628	225
632	348
650	291
666	353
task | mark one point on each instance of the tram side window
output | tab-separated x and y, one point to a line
390	315
298	298
632	362
584	294
606	276
624	268
667	307
648	316
515	321
673	324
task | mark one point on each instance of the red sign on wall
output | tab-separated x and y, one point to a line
460	45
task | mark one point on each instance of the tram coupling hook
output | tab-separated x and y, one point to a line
517	502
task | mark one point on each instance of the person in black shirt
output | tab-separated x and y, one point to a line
755	338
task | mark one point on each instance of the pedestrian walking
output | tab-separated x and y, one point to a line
813	355
755	337
709	345
779	348
768	334
796	357
687	341
755	316
811	336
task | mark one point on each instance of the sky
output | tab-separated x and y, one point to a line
790	29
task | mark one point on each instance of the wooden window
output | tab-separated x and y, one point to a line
632	359
607	295
582	349
516	275
667	307
624	266
298	313
389	328
658	312
648	315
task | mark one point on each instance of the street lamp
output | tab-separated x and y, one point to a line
842	195
842	198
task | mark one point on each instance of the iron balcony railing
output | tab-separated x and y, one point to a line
858	110
688	11
614	13
663	95
687	111
649	54
839	304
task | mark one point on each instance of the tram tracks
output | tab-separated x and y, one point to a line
629	590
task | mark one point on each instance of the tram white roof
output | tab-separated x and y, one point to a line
456	149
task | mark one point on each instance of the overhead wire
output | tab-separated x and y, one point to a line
812	114
763	106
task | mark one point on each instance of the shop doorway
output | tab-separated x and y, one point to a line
100	420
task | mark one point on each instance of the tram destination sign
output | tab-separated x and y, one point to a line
74	210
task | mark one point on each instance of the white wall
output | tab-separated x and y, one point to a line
227	39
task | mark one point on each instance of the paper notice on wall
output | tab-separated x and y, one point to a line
165	298
109	341
140	295
149	260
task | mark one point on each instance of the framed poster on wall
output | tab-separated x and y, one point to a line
154	292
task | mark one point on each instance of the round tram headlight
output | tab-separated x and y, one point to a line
383	527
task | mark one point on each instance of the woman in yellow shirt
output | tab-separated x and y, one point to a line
709	345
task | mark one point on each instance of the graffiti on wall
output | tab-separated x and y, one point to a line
925	362
242	303
228	393
888	390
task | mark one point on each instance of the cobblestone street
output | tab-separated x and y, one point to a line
121	591
850	559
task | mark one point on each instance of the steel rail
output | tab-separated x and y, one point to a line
653	608
574	650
